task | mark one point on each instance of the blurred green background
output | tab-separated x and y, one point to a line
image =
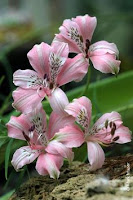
24	23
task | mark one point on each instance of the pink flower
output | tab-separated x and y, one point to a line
52	68
107	130
33	128
78	32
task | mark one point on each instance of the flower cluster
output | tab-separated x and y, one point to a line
51	144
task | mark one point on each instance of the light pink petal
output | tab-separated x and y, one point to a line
103	47
80	109
124	135
75	107
25	100
60	49
39	58
72	46
27	79
66	27
70	136
103	131
16	125
38	119
87	25
23	156
110	117
58	148
96	155
49	164
71	31
106	63
58	100
73	70
56	122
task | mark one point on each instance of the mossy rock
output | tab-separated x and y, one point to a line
113	182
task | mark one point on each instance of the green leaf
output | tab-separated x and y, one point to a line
7	156
7	196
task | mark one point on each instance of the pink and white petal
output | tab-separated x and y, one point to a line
71	31
66	28
80	109
38	119
77	105
124	135
96	155
58	101
38	112
87	25
17	125
27	79
73	70
58	148
72	46
56	122
61	49
25	100
103	47
106	63
39	58
110	117
70	136
23	156
49	164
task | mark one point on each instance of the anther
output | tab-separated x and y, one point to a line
26	137
113	131
116	138
106	123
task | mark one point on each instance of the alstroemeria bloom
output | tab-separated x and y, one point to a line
107	130
33	128
78	32
52	68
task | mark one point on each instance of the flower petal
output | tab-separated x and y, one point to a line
80	109
103	47
72	46
74	70
70	136
110	117
25	100
124	135
71	31
39	58
58	100
38	119
106	63
24	155
87	25
61	49
16	125
58	148
49	164
27	79
96	155
56	122
57	58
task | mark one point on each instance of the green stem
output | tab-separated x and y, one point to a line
87	82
